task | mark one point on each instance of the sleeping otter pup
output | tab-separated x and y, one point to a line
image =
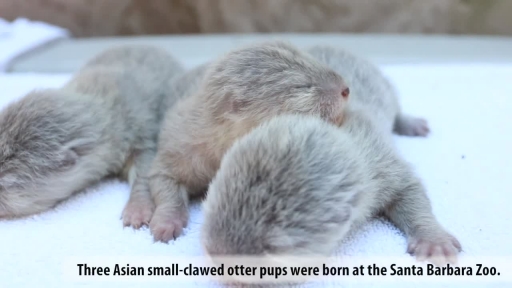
240	90
296	184
104	121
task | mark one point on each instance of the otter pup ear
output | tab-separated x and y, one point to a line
69	159
73	150
229	106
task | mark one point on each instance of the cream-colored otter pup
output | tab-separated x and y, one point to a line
240	90
370	90
104	121
296	184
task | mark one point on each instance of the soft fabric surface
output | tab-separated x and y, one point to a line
466	165
22	36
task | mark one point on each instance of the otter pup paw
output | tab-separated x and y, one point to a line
439	250
167	225
138	213
411	126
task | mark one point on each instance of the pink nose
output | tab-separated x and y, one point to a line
345	92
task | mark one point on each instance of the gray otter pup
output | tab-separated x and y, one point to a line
104	121
240	90
370	90
295	185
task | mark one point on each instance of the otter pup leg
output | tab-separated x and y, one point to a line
140	206
407	125
411	211
171	200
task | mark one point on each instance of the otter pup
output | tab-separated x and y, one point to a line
104	121
240	90
370	90
295	185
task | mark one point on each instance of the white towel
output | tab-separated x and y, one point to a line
466	165
21	36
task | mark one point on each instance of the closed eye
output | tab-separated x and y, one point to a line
306	86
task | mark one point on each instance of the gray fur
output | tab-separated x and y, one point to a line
104	121
370	90
239	90
296	184
283	188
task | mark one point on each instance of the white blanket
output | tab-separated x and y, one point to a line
22	36
466	165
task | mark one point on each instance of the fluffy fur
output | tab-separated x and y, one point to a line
104	121
240	90
296	184
371	90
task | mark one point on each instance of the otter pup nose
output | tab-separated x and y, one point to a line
345	92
